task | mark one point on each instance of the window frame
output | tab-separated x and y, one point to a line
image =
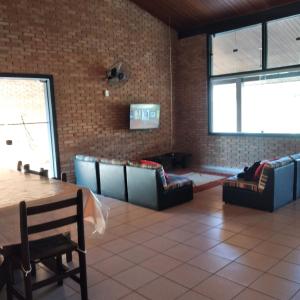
264	71
51	113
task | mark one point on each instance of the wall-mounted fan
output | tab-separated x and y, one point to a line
117	74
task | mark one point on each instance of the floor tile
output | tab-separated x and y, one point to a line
135	277
161	264
218	288
108	289
140	236
209	262
293	257
218	234
192	296
138	254
118	245
113	265
202	243
275	287
160	244
134	296
97	254
243	241
227	251
249	294
257	261
178	235
285	240
182	252
159	228
286	270
162	289
239	273
273	250
195	227
187	275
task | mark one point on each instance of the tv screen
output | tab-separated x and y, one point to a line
144	116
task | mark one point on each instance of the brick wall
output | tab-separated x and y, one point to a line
76	41
191	115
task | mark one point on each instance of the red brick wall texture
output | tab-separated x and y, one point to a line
191	115
76	41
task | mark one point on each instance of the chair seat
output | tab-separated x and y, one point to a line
45	247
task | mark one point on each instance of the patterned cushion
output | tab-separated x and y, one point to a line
241	183
114	161
174	182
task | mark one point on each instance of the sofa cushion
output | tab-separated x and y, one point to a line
235	182
174	182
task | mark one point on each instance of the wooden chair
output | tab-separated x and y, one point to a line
48	250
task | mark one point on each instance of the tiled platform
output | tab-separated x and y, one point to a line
200	250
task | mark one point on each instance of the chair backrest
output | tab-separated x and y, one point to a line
26	230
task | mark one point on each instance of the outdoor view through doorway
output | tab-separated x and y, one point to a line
26	124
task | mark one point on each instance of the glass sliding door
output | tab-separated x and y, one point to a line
27	124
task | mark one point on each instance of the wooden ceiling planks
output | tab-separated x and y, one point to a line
186	15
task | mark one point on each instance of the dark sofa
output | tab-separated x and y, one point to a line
133	182
274	189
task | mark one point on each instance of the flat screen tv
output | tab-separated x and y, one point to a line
144	116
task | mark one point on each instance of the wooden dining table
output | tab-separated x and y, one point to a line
35	190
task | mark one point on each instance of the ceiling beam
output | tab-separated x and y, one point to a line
234	23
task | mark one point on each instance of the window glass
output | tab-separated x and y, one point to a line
237	51
224	108
267	104
284	42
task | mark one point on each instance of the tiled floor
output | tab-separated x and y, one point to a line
200	250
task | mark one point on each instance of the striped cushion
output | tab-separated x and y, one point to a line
177	181
241	183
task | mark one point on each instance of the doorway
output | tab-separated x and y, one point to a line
28	123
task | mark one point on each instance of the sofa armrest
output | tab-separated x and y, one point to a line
279	187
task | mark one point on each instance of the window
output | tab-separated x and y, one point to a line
267	104
237	51
26	119
254	78
284	42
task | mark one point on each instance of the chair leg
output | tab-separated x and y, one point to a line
83	277
33	269
59	267
28	286
69	257
9	281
